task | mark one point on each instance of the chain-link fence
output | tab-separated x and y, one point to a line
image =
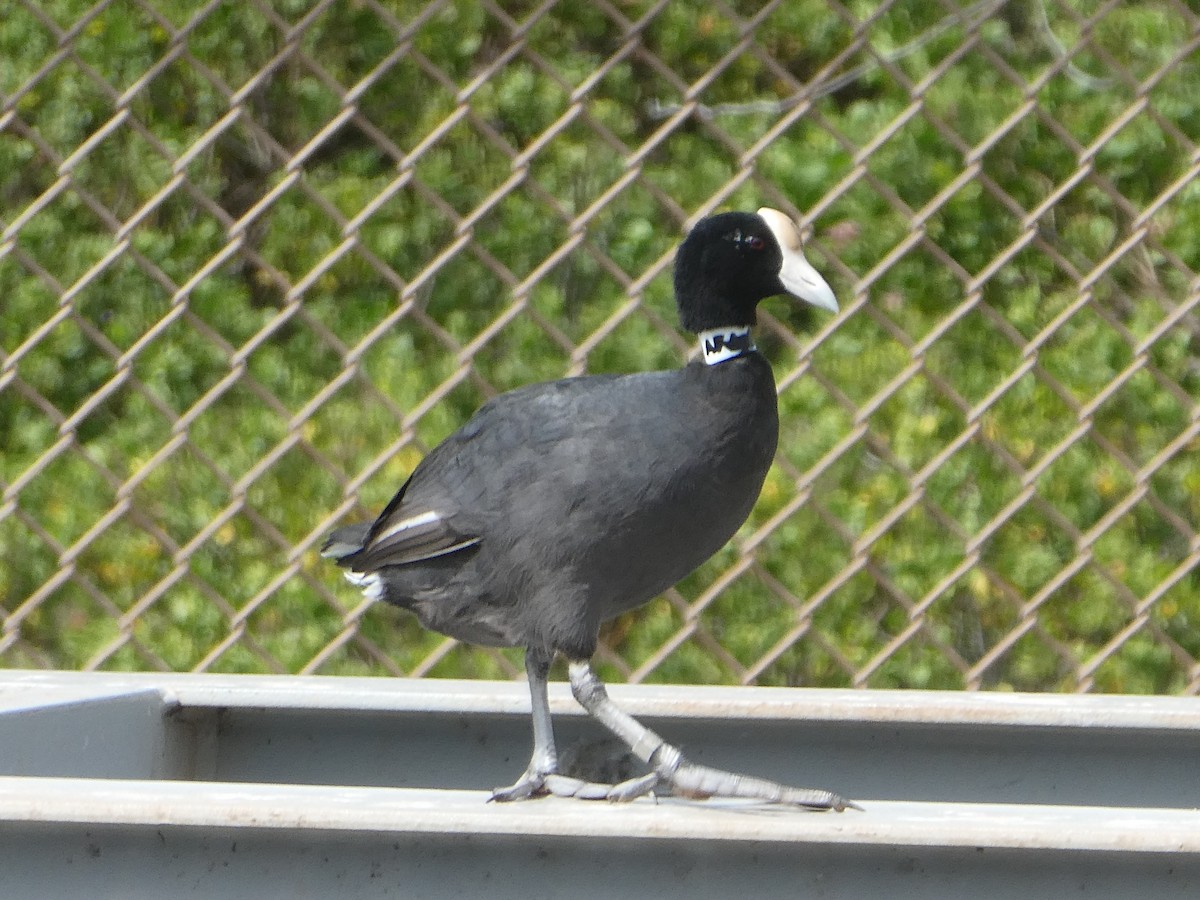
257	257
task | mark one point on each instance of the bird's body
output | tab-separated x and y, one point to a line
561	505
629	515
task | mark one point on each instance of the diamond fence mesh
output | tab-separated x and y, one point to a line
258	257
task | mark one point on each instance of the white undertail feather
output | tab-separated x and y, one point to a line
370	582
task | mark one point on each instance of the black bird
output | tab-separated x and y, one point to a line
564	504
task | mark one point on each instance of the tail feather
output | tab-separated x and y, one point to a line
345	541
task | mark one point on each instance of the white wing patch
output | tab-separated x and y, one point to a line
425	518
399	540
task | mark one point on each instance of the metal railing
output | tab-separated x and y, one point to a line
256	258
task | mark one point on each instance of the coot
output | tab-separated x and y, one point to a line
564	504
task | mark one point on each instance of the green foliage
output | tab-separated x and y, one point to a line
1005	427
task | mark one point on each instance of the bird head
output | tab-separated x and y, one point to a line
731	261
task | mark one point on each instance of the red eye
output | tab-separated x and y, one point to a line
755	243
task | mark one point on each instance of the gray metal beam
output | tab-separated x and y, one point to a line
943	746
66	837
328	808
312	787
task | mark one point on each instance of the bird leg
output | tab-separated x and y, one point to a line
542	777
544	762
669	765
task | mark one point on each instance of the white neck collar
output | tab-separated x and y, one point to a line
720	344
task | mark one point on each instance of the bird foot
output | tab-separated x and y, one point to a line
539	784
685	779
697	782
530	784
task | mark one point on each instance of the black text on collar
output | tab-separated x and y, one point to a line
720	344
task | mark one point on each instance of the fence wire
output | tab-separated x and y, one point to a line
258	257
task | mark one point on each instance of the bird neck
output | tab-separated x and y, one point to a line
720	344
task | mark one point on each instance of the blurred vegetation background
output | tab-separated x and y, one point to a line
258	257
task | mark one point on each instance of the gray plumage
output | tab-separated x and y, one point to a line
561	505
